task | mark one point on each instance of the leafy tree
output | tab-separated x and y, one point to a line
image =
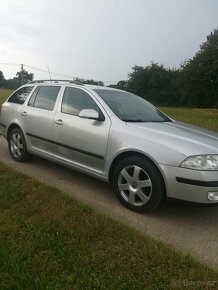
12	83
154	83
198	78
194	84
91	82
121	85
15	82
2	79
26	76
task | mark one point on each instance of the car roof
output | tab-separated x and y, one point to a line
68	83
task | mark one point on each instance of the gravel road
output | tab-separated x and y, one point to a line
189	228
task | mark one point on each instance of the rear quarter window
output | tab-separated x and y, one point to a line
19	97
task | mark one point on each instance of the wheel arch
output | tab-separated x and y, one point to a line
128	154
12	127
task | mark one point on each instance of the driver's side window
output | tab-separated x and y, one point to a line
75	100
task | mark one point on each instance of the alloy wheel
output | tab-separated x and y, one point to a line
16	145
135	185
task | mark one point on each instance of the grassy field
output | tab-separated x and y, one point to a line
4	93
50	241
207	118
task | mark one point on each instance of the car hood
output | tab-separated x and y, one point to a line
185	138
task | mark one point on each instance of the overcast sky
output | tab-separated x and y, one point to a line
101	39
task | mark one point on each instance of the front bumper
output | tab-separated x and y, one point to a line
190	185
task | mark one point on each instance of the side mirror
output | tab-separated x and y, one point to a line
91	114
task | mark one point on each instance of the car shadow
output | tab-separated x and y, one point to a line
172	208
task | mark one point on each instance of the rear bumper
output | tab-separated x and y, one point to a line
190	185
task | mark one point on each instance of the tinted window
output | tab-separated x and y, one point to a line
45	97
33	97
19	97
75	100
131	108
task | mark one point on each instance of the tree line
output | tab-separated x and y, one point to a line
193	84
23	77
14	83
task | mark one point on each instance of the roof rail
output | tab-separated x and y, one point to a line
56	81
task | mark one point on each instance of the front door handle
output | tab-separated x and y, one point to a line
24	113
59	122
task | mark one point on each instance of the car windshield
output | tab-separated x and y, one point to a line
131	108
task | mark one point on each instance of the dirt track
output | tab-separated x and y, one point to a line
191	228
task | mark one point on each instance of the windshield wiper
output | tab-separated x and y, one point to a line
145	121
134	120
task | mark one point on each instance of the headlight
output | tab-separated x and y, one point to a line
202	162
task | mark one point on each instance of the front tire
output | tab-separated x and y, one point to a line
17	145
138	184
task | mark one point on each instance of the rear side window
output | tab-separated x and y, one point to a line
75	100
44	97
19	97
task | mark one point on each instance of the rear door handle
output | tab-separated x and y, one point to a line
59	122
24	113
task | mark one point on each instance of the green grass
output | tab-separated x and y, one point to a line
4	94
50	241
206	118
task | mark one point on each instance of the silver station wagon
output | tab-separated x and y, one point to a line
115	136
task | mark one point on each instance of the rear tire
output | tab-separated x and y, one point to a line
17	145
138	184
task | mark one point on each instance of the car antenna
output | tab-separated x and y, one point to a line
49	73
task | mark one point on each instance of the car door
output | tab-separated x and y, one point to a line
38	116
78	141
